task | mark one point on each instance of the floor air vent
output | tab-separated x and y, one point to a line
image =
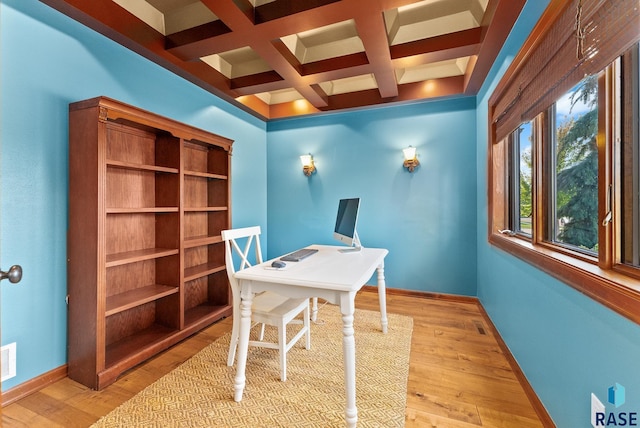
480	327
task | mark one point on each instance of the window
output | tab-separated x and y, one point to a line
564	151
520	181
573	178
630	156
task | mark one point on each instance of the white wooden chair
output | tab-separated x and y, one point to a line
268	308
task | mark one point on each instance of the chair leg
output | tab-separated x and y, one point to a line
282	346
307	325
262	332
233	344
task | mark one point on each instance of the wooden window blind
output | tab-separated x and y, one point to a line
576	38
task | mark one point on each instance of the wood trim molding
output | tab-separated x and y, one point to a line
539	408
422	294
618	292
537	405
33	385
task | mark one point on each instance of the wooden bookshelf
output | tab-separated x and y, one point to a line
148	199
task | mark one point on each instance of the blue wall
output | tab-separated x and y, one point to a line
434	221
49	61
425	218
568	345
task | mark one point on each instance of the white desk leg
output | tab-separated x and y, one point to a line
347	308
243	341
382	298
314	309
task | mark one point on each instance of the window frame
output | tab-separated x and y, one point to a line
549	177
604	277
515	174
630	157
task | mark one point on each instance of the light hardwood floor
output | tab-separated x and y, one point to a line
458	375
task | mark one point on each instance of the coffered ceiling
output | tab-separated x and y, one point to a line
281	58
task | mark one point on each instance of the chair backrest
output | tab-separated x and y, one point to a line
232	247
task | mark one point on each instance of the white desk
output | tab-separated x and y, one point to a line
329	274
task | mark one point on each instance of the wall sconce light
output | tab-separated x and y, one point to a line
308	166
410	158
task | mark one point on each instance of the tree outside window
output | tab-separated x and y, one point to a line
575	214
524	140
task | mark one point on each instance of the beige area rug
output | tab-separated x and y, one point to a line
199	393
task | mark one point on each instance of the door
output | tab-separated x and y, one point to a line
13	275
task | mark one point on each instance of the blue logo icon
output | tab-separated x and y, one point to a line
600	417
616	395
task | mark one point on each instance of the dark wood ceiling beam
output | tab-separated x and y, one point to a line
288	56
351	100
262	28
498	20
114	22
471	65
340	73
435	88
320	93
312	73
235	19
284	8
316	67
251	88
247	8
198	72
446	42
331	64
308	80
254	80
292	108
256	104
271	30
430	89
191	35
129	31
198	48
392	4
269	53
437	56
373	33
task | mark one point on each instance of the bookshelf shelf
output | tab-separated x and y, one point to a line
148	199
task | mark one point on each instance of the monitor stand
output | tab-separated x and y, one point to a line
356	244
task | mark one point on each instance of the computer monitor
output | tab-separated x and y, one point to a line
345	229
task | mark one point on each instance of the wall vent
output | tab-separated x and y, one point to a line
8	361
